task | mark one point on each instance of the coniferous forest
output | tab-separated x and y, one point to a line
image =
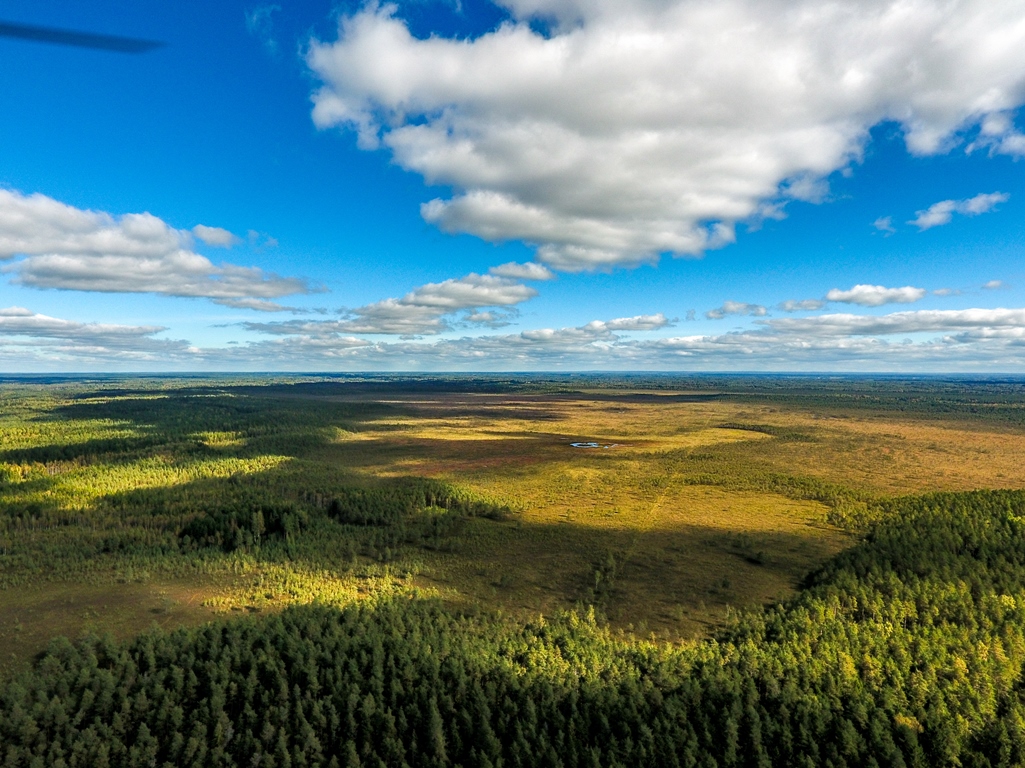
906	648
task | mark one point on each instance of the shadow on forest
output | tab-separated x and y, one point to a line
634	576
294	499
117	450
641	572
642	575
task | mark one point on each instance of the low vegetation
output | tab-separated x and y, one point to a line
648	602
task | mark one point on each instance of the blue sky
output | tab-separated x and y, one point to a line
534	185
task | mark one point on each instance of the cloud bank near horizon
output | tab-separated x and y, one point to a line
67	248
946	340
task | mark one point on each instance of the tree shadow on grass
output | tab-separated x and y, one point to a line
679	579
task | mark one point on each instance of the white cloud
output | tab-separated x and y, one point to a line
735	308
638	128
593	331
312	328
489	318
935	215
260	305
548	346
24	322
973	339
73	249
433	308
28	336
638	323
604	328
804	305
942	212
921	321
391	316
876	295
993	285
966	339
884	224
982	203
529	271
998	134
470	291
215	236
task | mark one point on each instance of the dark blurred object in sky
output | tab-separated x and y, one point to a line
79	39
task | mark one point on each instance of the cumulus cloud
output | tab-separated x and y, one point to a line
24	322
735	308
596	329
215	236
490	318
993	285
804	305
638	128
73	249
876	295
998	134
943	212
602	328
319	328
471	291
529	271
639	323
433	308
392	316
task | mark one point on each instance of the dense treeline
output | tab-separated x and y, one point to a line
243	526
905	651
391	502
418	511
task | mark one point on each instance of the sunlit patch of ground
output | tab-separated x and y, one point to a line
684	553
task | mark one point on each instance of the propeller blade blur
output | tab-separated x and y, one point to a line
78	39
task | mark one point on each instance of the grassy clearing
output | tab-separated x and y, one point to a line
30	617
